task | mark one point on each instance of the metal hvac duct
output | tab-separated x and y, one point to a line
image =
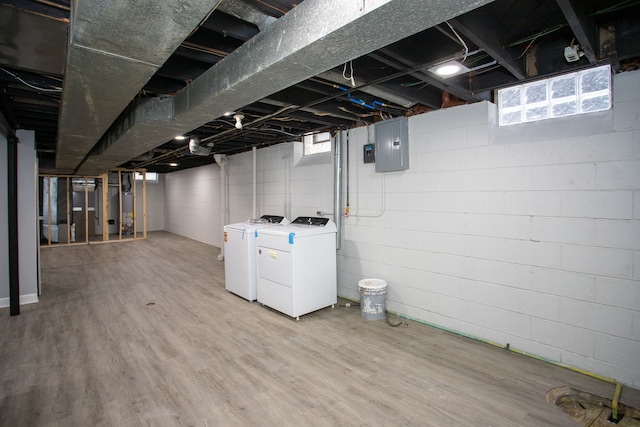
114	49
315	36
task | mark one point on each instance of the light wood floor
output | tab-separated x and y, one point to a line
94	352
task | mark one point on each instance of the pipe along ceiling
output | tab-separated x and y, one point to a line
115	49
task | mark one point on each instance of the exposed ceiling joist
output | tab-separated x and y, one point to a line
482	29
313	37
582	25
394	60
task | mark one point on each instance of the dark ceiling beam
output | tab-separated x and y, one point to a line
278	57
183	69
213	41
417	94
159	85
547	59
228	25
309	39
198	54
583	26
299	115
627	35
483	30
399	63
56	11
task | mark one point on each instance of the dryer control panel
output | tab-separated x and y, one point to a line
311	220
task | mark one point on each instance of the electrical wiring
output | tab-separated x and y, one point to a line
346	110
395	325
466	48
280	131
540	34
527	48
350	77
616	7
24	82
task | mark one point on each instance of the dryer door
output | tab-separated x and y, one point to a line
275	265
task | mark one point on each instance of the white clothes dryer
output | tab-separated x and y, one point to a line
297	266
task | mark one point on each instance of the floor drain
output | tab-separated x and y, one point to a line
151	303
591	410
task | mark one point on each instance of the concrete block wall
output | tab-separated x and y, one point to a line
193	209
273	183
527	235
282	187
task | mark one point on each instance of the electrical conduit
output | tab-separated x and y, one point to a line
254	213
221	160
337	169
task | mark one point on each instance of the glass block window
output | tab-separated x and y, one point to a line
151	176
586	91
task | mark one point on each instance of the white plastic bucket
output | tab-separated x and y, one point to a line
373	293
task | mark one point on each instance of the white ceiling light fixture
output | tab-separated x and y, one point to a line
449	69
239	118
180	138
173	164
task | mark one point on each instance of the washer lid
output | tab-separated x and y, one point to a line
253	224
311	220
300	228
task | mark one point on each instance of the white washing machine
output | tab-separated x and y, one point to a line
240	254
297	266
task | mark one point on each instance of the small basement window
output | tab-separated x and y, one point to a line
583	92
317	143
151	176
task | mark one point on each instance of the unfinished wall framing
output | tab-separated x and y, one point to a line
91	209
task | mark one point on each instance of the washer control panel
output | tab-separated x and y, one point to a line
311	220
276	219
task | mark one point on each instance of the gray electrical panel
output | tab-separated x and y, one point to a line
392	145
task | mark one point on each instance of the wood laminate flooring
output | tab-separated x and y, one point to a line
144	333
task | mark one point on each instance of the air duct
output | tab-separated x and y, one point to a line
306	41
114	49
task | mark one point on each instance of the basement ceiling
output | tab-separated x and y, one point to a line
109	84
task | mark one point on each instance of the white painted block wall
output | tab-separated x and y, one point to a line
193	209
281	188
527	235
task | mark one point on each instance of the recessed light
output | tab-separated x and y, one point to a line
449	69
174	164
229	113
180	137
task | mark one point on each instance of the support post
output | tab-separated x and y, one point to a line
12	187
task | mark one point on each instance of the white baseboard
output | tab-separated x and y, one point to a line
24	299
